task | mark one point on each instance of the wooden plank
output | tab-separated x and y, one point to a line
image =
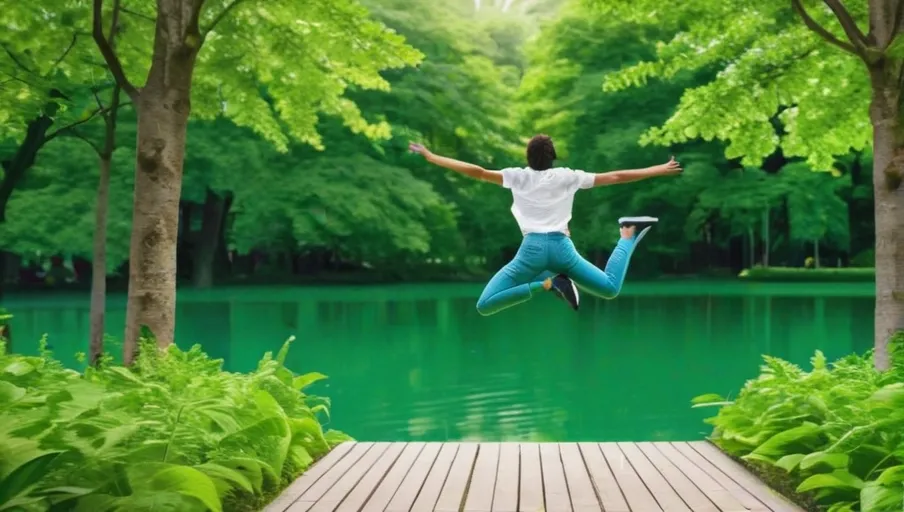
426	500
744	478
744	497
453	493
505	497
483	479
390	484
603	480
712	489
531	492
667	498
329	479
580	488
683	486
371	480
309	478
636	493
414	480
349	480
555	488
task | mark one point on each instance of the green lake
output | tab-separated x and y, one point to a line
416	362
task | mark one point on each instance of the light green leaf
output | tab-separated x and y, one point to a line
832	460
18	368
303	381
877	498
891	476
25	477
231	477
836	480
183	480
790	462
789	441
10	393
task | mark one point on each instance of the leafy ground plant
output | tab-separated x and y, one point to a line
172	432
835	432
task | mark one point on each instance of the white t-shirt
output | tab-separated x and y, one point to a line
543	199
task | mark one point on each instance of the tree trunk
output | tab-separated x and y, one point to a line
751	249
766	235
99	259
207	241
162	123
888	171
164	104
15	168
815	253
99	263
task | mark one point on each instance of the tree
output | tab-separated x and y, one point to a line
780	85
272	67
44	83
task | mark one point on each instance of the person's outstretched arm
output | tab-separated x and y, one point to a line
616	177
473	171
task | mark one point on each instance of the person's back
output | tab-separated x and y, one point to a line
542	200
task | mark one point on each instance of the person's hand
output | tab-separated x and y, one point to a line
419	149
671	167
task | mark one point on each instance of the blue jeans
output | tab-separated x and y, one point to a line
544	255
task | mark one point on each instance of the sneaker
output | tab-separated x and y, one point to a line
637	221
565	289
643	223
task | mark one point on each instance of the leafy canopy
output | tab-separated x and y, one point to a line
775	83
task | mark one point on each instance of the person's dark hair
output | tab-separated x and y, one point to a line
541	153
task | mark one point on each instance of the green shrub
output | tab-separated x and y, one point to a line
865	258
836	432
173	432
809	275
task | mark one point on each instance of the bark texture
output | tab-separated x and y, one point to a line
164	105
888	169
886	73
99	263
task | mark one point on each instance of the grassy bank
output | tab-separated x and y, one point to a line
173	432
802	275
831	439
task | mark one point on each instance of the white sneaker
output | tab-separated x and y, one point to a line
634	221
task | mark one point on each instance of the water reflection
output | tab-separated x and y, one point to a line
418	363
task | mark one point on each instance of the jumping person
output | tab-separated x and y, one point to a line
543	197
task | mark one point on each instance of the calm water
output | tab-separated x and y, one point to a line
419	363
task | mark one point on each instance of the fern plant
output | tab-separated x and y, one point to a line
173	432
836	431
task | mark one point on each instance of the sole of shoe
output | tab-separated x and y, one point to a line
630	221
574	290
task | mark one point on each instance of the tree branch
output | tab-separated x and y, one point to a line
73	132
853	32
92	115
65	53
819	29
107	51
219	17
191	37
17	61
138	15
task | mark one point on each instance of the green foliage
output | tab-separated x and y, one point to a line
54	210
812	275
174	432
770	69
837	431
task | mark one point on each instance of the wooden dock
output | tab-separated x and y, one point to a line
532	477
